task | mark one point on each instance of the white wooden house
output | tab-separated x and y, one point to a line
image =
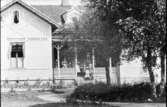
26	42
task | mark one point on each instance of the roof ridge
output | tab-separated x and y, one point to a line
32	9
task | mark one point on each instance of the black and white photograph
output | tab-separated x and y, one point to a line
83	53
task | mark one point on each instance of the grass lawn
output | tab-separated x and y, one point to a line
30	99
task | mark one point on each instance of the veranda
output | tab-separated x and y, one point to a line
74	56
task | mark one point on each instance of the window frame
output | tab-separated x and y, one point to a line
22	58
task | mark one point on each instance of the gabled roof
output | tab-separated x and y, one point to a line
33	10
53	11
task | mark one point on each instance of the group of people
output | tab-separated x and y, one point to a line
85	72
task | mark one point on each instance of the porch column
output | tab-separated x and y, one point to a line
16	60
58	47
53	76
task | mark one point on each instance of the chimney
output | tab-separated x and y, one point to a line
65	2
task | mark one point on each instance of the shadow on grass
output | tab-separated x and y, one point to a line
58	92
69	105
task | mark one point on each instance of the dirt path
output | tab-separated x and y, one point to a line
49	99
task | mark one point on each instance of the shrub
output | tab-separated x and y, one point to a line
90	91
161	92
37	83
100	91
25	84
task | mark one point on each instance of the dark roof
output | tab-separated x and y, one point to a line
52	11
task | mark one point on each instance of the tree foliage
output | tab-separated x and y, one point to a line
135	28
142	33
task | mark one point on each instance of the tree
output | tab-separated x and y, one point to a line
99	27
143	25
160	15
138	28
145	30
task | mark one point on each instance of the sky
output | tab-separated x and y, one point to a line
44	2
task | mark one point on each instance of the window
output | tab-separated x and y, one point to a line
17	55
17	51
16	17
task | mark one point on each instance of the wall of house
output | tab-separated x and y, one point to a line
35	33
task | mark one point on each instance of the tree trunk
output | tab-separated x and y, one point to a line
118	75
152	79
151	74
108	80
162	84
162	55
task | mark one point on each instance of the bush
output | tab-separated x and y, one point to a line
90	91
161	92
125	93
